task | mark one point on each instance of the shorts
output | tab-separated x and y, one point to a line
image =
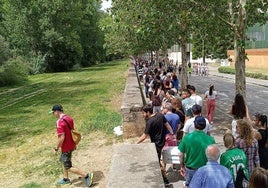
66	159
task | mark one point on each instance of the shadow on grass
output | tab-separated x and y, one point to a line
24	110
101	66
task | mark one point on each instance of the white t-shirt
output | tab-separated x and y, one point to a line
189	126
198	100
213	96
234	132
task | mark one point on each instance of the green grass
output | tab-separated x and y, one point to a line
28	131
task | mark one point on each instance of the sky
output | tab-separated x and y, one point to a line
106	4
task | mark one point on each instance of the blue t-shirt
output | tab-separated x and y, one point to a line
173	119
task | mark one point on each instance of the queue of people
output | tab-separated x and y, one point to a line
183	124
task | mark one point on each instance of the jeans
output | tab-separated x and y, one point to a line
189	175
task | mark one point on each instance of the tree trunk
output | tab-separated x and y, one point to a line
240	53
184	70
240	76
156	58
152	56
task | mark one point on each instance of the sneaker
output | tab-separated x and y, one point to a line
89	179
64	181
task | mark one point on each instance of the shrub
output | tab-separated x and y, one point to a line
14	71
226	70
36	63
229	70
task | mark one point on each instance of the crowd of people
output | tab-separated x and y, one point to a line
200	69
174	117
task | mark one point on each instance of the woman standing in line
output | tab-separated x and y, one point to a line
210	96
260	121
248	144
177	109
259	178
239	110
157	97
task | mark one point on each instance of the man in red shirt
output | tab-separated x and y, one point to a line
67	145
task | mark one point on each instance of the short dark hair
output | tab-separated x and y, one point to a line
148	108
191	87
196	109
171	92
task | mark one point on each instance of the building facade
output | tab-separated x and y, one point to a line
256	47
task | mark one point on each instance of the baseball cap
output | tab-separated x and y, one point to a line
200	122
55	108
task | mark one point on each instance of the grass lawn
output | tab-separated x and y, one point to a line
28	131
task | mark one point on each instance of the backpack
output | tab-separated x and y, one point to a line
241	180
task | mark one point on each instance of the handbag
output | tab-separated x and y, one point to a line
76	136
156	101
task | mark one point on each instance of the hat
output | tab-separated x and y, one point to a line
55	108
196	109
200	122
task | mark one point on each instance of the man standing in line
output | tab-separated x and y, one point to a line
198	100
67	145
192	149
155	123
187	103
212	174
174	121
189	124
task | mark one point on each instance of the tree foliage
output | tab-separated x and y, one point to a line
211	26
64	32
238	16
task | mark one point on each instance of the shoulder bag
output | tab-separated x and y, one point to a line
76	136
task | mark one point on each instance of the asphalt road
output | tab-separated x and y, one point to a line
256	99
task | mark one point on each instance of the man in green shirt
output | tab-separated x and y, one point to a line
192	149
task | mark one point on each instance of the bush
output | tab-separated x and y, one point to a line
229	70
13	72
226	70
36	63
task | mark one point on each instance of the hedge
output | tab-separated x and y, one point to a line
230	70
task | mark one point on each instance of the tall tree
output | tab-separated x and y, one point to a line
65	32
239	15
